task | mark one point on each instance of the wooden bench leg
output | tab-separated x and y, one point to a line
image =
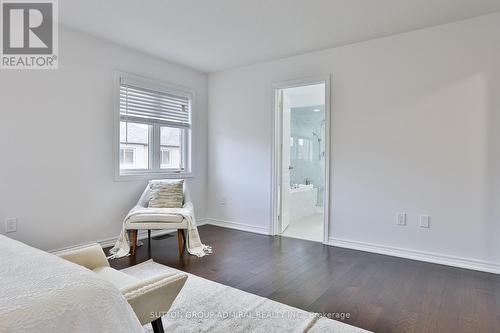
180	240
157	326
134	241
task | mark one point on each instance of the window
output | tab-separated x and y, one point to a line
171	147
304	151
301	148
154	129
127	156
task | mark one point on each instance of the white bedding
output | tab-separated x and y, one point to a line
40	292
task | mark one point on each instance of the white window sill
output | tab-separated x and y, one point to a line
131	176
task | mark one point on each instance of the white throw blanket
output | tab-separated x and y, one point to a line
42	293
194	244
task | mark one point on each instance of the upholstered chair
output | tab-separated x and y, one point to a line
151	219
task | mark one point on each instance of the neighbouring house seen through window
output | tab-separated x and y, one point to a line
134	146
171	147
127	156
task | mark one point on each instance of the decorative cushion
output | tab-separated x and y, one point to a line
166	194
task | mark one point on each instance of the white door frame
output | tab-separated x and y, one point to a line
276	152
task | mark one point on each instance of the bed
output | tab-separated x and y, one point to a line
40	292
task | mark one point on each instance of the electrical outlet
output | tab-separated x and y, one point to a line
425	221
401	219
10	225
223	200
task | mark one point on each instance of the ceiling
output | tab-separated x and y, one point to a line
214	35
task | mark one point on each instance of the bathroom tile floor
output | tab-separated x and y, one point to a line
309	228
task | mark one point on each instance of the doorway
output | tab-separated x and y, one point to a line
301	159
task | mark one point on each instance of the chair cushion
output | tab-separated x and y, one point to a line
117	278
155	217
155	226
167	194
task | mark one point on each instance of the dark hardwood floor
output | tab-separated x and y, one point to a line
381	293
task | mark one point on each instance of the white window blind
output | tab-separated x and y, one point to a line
140	103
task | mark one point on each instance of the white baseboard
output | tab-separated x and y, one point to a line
434	258
238	226
142	234
478	265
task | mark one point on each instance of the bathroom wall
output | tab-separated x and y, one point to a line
307	152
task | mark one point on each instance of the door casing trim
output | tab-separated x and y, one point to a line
276	155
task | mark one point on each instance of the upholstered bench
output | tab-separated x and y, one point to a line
149	298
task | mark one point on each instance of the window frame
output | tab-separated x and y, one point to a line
187	148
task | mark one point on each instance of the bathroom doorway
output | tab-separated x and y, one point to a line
301	160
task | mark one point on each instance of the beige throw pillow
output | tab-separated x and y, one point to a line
166	194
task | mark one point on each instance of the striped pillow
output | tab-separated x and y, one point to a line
166	194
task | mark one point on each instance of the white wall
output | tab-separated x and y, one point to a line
415	128
65	201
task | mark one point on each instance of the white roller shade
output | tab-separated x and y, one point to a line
144	104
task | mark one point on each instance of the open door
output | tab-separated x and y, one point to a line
301	161
286	167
